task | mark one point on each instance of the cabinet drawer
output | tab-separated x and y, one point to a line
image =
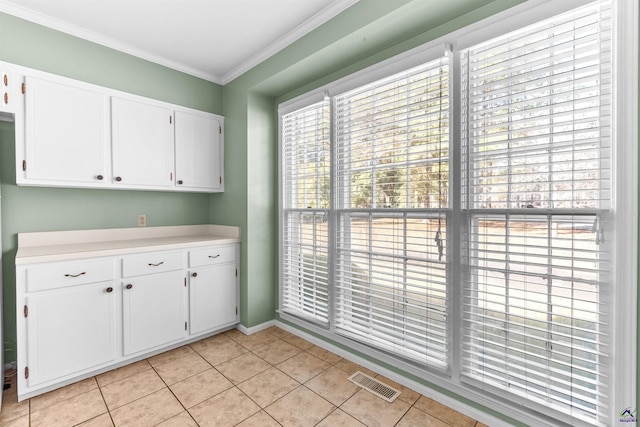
62	274
152	263
212	255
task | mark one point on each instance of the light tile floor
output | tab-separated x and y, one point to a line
270	378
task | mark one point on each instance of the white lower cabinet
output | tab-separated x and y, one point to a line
212	297
81	317
154	311
69	330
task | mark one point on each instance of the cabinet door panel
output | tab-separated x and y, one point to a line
70	330
66	133
212	297
9	83
198	156
154	310
142	143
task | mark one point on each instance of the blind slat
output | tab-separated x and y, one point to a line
538	136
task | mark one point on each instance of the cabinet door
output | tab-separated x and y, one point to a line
9	83
198	151
70	330
154	310
142	143
212	297
66	133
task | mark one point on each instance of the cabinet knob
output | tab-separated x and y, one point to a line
180	181
129	286
100	177
6	98
109	289
118	178
194	274
5	80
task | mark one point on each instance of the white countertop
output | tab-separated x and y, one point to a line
78	244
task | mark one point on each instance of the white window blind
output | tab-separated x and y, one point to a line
537	148
484	260
392	145
305	202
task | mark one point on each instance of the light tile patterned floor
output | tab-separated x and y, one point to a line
270	378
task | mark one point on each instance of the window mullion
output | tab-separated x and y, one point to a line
456	227
335	181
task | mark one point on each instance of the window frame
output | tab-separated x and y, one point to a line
625	254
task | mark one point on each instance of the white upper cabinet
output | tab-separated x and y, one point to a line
10	82
142	143
66	134
75	134
199	156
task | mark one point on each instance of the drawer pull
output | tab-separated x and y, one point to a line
194	274
129	286
109	289
155	265
214	256
75	275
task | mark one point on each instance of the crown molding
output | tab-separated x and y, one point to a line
307	26
301	30
65	27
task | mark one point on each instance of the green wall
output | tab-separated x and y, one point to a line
27	209
368	32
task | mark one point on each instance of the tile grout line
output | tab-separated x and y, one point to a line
251	348
171	391
104	400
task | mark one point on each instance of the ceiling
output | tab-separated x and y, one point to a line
217	40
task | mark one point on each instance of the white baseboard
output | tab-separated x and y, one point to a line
257	328
413	385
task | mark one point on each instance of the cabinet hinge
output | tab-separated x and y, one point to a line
171	176
236	272
220	129
26	372
170	120
220	179
26	311
236	311
185	282
24	165
24	88
185	326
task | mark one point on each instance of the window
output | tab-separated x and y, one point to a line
538	183
392	139
483	257
305	256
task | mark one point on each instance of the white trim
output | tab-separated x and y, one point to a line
511	19
402	62
254	329
82	33
624	361
480	397
626	305
307	26
402	380
500	23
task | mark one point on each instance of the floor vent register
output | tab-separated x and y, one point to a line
374	386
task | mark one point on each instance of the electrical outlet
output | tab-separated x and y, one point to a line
142	220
